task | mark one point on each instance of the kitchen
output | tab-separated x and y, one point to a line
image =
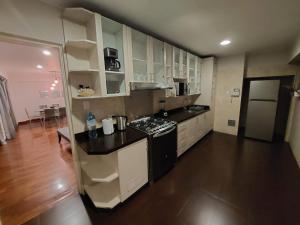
138	104
147	70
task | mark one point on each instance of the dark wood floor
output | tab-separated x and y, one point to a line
221	181
35	173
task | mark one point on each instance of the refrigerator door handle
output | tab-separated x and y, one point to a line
263	100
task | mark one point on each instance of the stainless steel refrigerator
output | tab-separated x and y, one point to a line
262	107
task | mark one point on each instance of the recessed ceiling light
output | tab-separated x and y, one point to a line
39	66
225	42
53	85
46	52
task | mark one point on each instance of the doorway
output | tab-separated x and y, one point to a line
37	167
281	111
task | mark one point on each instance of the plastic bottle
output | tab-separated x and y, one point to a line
91	125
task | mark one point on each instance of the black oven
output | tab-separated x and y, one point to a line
162	151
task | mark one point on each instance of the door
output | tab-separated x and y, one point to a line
262	107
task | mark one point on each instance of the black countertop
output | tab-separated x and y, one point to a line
181	114
106	144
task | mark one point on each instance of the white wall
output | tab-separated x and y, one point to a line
31	19
295	52
267	64
230	72
294	136
24	92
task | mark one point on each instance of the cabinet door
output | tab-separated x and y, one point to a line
192	73
168	54
198	75
207	70
176	62
158	61
183	64
140	53
132	168
208	119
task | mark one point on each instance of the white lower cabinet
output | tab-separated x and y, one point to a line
133	168
192	130
112	178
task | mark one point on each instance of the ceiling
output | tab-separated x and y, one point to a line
199	25
21	58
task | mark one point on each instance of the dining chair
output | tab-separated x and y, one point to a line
33	117
48	115
61	113
43	106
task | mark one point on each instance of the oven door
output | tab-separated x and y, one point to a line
163	151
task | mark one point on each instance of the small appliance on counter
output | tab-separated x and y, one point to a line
162	112
108	126
121	122
181	88
110	58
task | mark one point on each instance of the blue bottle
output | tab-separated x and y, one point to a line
91	125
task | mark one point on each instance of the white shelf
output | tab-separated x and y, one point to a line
114	72
78	15
103	197
84	71
89	97
99	172
140	60
82	44
116	95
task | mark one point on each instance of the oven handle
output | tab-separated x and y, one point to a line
163	133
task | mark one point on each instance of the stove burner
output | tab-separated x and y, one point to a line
151	125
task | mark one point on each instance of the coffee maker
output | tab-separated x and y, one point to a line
110	58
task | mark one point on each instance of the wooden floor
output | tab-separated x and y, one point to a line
35	173
221	181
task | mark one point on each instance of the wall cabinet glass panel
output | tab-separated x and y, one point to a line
176	53
139	55
198	78
192	73
158	61
184	59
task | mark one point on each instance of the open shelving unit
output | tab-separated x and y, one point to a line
101	178
81	50
114	36
104	195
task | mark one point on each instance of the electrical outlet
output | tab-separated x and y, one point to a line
231	123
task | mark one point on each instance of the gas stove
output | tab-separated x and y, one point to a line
152	125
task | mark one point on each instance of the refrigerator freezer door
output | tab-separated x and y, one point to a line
261	119
264	89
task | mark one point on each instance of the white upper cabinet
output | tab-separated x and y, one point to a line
198	74
168	54
183	64
192	63
115	70
139	56
176	62
158	61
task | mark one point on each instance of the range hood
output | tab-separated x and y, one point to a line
136	86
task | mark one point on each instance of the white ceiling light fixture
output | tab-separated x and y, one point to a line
52	88
225	42
56	81
46	52
39	66
53	85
